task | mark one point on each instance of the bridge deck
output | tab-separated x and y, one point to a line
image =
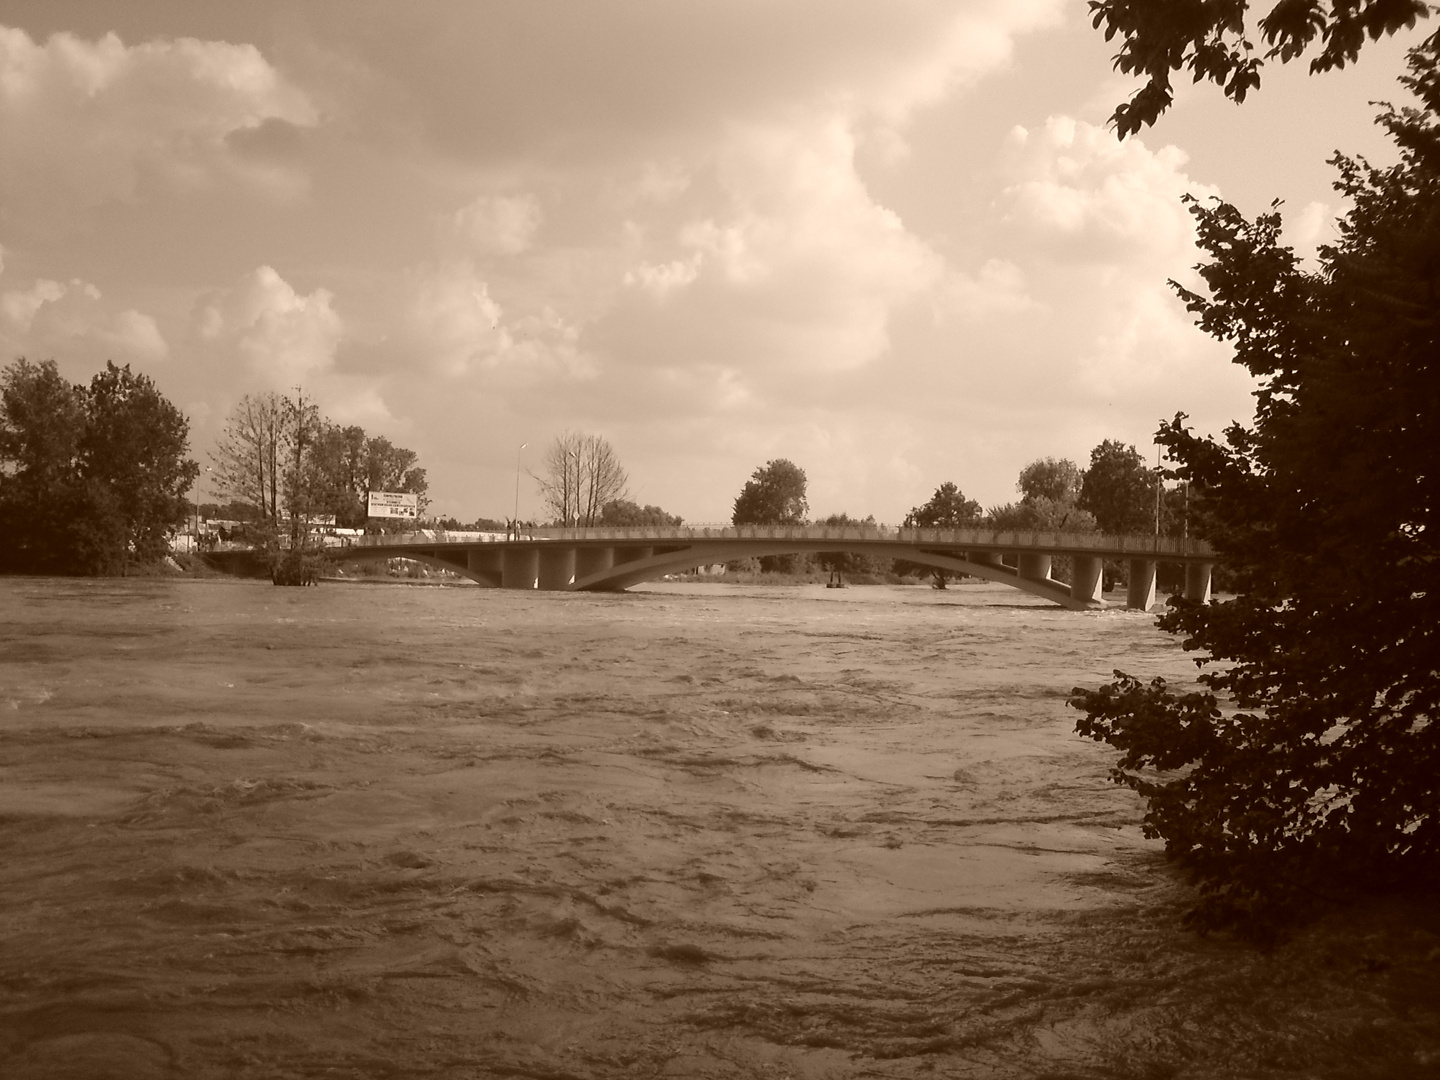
614	558
814	537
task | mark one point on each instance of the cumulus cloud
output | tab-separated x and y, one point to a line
998	288
499	224
20	305
797	273
1084	195
52	318
1312	226
281	336
90	121
456	329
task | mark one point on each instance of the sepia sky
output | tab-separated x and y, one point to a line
891	241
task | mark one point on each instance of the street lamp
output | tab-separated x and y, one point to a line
516	519
195	537
576	455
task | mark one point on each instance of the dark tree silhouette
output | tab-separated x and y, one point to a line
1307	763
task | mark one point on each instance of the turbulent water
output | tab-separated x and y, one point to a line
691	831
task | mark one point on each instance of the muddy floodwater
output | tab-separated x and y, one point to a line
689	831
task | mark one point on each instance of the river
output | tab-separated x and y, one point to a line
378	830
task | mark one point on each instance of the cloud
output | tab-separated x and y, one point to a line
456	329
87	122
717	233
1083	195
52	318
499	224
133	333
282	337
797	272
20	305
615	82
1312	226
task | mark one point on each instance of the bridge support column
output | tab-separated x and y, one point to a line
632	554
557	568
486	565
521	568
1034	567
1197	581
1086	577
593	560
1141	592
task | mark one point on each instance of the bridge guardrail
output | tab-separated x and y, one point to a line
1133	546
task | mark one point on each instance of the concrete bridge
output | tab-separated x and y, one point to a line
563	559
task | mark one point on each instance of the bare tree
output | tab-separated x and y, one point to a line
581	473
248	459
302	481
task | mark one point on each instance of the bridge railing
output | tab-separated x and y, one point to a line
1131	546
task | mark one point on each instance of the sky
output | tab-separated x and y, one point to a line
893	242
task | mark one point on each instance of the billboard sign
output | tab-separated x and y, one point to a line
393	504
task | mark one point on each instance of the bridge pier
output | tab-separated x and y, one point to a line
557	568
1086	577
1034	566
1140	594
593	560
486	565
521	569
1197	581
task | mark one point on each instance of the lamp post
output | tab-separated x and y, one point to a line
195	536
575	454
516	519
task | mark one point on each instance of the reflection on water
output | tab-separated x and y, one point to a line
690	831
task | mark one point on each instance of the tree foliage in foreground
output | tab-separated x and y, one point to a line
1309	762
1214	41
92	479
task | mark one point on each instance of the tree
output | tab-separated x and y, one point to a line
42	418
853	564
622	513
278	454
1213	40
91	480
1306	764
351	464
1119	490
1059	481
948	508
1039	515
1050	493
581	474
774	495
249	456
134	446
